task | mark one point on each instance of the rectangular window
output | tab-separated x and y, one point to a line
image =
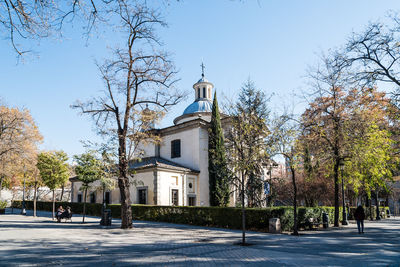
176	148
174	197
107	198
204	92
79	198
142	193
93	197
192	201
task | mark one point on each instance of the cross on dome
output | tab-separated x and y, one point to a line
202	69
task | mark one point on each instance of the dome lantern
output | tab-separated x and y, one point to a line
203	88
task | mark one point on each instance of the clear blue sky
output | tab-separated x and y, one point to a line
272	42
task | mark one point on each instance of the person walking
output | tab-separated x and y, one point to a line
359	215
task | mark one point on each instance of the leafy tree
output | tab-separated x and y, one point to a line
217	165
325	120
138	75
53	168
19	137
371	163
88	169
333	119
248	146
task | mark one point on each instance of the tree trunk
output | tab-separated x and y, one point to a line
84	205
62	193
336	179
54	204
370	209
243	214
123	184
34	198
1	184
295	227
378	216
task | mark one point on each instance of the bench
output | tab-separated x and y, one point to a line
311	222
67	216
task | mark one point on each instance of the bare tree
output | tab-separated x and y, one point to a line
374	54
139	88
285	133
22	21
34	20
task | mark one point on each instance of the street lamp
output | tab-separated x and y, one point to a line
344	221
23	211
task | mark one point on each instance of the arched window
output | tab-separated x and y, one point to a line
204	92
198	93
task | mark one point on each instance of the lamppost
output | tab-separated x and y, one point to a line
344	221
23	211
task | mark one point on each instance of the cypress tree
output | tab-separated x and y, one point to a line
217	165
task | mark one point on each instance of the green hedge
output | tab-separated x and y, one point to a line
367	210
256	218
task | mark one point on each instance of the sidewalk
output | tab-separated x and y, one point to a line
29	241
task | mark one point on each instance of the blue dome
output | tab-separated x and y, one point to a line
198	106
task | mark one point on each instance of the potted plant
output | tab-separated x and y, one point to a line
3	205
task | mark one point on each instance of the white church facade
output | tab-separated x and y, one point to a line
174	172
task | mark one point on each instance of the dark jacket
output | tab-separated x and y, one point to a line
359	214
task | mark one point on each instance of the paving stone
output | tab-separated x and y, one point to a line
29	241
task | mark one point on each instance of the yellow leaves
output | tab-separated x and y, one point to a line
19	137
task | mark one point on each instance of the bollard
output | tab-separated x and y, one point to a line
275	225
106	218
325	220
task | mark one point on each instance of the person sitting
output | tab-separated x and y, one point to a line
67	214
59	212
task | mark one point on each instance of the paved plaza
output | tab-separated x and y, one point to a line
29	241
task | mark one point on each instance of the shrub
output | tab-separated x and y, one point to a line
368	213
257	219
3	204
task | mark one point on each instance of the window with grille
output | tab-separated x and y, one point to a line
142	196
192	201
174	197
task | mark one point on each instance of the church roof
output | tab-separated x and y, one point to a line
202	105
151	162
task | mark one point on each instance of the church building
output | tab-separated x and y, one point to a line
174	172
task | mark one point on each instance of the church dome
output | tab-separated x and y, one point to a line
204	105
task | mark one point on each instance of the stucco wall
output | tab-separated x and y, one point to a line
148	149
203	198
189	148
142	180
